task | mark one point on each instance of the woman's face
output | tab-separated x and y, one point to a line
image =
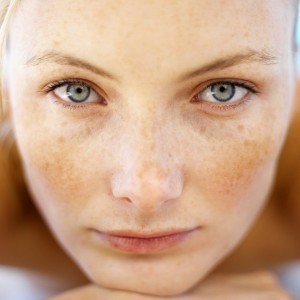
182	133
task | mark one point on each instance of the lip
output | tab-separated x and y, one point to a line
143	243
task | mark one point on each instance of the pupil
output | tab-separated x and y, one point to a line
79	90
222	89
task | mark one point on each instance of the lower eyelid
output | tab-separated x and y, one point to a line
68	105
225	109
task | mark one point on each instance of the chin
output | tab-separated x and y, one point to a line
160	275
154	289
162	286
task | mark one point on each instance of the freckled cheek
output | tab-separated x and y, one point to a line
57	146
239	166
238	170
227	170
64	167
72	173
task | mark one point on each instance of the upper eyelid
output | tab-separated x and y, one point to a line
58	83
241	83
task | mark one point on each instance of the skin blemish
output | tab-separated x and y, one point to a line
241	128
202	129
247	143
61	139
46	166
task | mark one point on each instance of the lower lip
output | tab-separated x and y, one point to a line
144	245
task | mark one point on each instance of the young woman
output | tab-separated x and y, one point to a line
147	135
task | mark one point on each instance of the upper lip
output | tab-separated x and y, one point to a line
134	234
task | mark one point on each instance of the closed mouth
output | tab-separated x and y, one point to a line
142	243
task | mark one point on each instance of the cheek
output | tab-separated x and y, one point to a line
239	163
66	166
241	182
56	152
235	167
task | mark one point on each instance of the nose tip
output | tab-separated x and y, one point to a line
147	193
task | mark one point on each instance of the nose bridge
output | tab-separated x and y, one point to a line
147	139
149	177
147	145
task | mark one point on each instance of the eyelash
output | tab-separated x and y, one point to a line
54	85
248	86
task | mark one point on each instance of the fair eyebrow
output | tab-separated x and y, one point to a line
262	56
68	60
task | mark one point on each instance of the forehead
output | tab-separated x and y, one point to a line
160	31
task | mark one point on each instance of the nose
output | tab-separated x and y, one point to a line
148	176
149	189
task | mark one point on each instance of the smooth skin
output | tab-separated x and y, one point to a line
205	165
240	287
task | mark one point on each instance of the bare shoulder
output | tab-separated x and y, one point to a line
11	205
19	219
14	199
287	183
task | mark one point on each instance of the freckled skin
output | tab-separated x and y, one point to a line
150	161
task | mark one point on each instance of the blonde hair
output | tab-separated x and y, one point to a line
7	8
10	162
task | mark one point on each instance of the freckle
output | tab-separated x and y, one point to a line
88	131
241	128
61	139
247	143
227	191
63	124
56	43
46	166
203	129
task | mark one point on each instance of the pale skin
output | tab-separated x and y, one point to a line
142	154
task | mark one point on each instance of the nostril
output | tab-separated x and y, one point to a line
125	199
147	193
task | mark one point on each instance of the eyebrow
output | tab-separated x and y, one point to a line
263	57
249	56
68	60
